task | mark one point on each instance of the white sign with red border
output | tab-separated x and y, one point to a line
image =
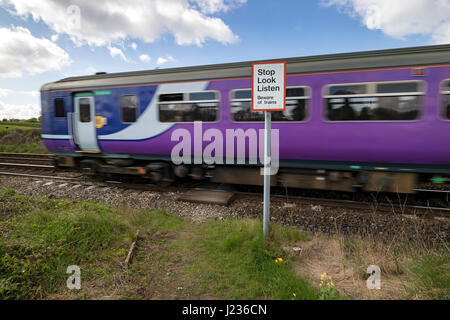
269	86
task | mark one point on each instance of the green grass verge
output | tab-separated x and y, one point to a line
22	140
233	261
26	148
41	237
229	259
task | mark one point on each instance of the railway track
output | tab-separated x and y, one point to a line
224	194
375	206
311	215
426	203
25	159
25	155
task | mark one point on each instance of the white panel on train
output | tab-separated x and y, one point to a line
85	133
148	125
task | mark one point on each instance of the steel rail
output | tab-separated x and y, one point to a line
374	206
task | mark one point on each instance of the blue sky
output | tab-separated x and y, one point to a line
37	46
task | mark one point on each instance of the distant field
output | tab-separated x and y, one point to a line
21	137
20	125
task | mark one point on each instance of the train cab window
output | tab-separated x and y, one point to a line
60	109
296	104
384	101
446	99
128	108
85	110
189	107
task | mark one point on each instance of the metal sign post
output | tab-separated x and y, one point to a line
267	168
268	94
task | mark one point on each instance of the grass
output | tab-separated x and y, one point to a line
410	269
28	124
234	261
27	148
176	258
432	277
19	125
41	237
21	139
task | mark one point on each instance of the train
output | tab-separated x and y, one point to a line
374	120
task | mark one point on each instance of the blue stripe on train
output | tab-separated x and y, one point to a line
105	105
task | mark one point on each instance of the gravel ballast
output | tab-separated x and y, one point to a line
309	218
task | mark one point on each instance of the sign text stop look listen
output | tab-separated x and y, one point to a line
269	86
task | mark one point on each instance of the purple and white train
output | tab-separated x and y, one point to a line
377	119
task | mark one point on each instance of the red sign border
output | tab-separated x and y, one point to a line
284	91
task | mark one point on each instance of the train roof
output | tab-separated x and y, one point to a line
391	58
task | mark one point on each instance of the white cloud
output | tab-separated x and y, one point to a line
91	70
442	33
19	104
21	52
114	51
9	92
5	92
19	111
189	21
213	6
164	60
400	19
133	45
55	37
144	58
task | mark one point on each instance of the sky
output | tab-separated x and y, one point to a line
47	40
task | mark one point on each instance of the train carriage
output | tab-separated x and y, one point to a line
376	119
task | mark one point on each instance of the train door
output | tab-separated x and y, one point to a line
85	133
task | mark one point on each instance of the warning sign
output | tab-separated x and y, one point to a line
268	86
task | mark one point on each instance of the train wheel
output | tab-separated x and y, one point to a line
160	173
89	167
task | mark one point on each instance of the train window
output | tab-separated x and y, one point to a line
347	90
296	100
189	107
295	92
171	97
60	109
128	108
200	96
85	110
447	86
447	105
398	87
388	101
446	98
243	94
